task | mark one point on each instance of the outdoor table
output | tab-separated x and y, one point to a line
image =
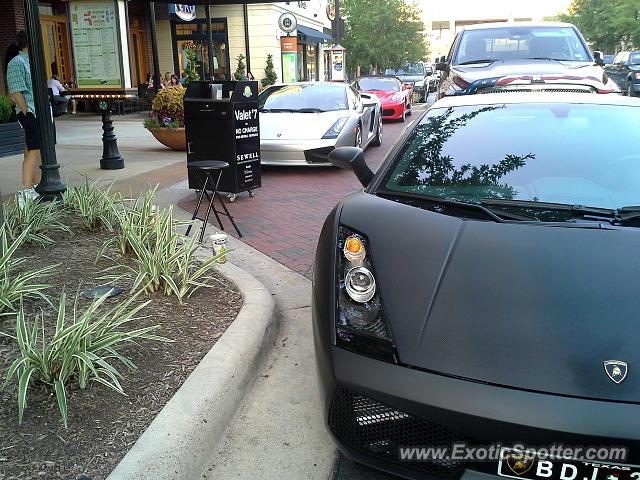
209	172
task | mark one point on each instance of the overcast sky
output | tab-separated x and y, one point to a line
474	9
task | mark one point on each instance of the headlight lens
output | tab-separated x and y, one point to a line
395	97
360	320
336	128
637	75
360	284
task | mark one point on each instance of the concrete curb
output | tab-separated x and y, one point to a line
180	441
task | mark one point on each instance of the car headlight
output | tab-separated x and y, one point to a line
395	97
419	84
637	75
336	128
361	325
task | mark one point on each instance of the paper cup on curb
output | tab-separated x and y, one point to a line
219	245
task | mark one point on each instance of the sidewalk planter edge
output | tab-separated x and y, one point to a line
174	139
11	139
181	441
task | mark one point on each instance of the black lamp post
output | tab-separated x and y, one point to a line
50	186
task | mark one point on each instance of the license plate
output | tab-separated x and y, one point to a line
516	464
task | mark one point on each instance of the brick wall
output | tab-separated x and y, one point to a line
11	21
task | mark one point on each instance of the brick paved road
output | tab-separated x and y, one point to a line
284	219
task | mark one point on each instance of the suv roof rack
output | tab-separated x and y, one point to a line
537	83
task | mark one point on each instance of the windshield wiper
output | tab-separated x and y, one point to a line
549	58
308	110
471	62
496	216
277	110
614	216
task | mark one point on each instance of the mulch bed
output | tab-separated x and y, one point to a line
103	424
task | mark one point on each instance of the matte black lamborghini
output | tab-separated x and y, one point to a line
484	290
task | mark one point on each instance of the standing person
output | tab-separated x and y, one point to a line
21	91
250	76
54	84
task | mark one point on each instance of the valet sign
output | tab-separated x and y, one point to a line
186	13
247	133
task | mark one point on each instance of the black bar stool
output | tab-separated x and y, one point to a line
206	172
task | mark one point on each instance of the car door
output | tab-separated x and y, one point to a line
616	70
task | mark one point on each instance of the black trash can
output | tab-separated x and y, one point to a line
221	123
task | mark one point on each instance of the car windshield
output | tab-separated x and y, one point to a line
283	98
380	83
557	43
410	69
634	58
523	152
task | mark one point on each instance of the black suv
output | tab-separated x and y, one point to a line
625	71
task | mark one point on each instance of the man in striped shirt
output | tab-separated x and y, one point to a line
21	90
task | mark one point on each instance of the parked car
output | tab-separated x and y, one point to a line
301	123
608	59
517	48
414	74
393	94
625	71
483	291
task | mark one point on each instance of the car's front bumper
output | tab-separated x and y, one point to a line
296	152
392	111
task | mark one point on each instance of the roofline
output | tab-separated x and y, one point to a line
480	26
535	97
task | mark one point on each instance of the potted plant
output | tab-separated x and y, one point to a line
166	121
11	136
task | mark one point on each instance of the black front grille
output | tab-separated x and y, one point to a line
388	112
372	428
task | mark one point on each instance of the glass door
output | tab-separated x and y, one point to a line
56	47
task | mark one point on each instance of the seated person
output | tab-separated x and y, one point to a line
54	84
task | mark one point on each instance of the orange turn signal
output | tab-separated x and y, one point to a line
354	249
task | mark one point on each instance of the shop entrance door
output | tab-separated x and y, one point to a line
56	47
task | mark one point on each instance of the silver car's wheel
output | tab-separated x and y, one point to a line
378	140
359	137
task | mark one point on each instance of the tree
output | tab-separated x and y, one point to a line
383	33
270	74
191	70
608	25
240	75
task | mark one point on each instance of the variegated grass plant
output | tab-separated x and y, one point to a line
164	260
84	350
14	285
34	217
96	206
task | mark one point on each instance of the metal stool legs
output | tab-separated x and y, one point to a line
208	177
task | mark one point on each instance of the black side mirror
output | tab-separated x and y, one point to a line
442	66
352	158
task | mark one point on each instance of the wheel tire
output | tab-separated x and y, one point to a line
630	92
404	114
378	140
358	137
410	110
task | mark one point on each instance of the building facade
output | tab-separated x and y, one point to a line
94	43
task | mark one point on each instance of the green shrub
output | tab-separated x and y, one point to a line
14	286
164	260
7	114
239	73
270	75
34	217
80	352
96	206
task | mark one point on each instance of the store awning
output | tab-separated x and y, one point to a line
313	35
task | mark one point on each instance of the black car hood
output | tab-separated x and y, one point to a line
530	307
410	78
499	68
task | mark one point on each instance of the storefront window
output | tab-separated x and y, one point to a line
311	62
193	36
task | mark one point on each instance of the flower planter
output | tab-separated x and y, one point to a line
11	139
174	139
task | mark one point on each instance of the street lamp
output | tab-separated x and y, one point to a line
50	186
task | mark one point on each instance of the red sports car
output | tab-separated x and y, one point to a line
393	94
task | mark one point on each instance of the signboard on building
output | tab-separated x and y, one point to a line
94	37
183	12
289	52
287	22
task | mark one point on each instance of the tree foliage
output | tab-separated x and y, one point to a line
608	25
191	70
383	33
239	73
270	75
